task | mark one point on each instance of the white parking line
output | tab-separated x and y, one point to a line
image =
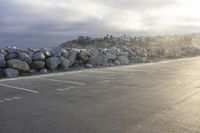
18	88
16	98
7	99
71	82
105	81
60	89
69	88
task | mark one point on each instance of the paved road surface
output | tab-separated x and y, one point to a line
151	98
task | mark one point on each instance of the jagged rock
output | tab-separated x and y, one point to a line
65	53
2	61
18	64
172	53
30	54
72	56
52	63
38	56
138	59
18	50
1	73
123	59
190	51
33	71
57	51
110	64
2	51
94	52
37	64
43	71
11	55
112	53
76	66
131	52
31	50
65	63
47	53
84	55
11	47
125	48
100	59
24	57
124	54
117	62
154	52
11	73
142	52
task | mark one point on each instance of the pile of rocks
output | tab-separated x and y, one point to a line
15	61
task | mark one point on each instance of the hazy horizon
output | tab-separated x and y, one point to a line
47	23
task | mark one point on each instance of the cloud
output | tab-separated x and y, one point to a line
49	22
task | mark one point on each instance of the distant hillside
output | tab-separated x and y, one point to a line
108	41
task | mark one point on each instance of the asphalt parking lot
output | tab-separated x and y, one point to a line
157	97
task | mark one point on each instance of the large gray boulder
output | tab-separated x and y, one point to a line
116	62
84	55
124	54
11	47
173	53
131	52
65	63
72	55
57	51
24	57
123	59
94	52
11	73
137	59
155	52
2	51
1	73
112	53
52	63
11	55
65	53
38	56
18	64
46	52
142	52
100	59
2	61
37	64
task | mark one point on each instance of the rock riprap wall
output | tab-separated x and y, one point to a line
15	61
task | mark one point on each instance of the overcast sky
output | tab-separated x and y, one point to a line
46	23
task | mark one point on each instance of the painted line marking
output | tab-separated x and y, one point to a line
71	87
105	81
10	99
18	88
16	98
64	81
60	89
7	99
